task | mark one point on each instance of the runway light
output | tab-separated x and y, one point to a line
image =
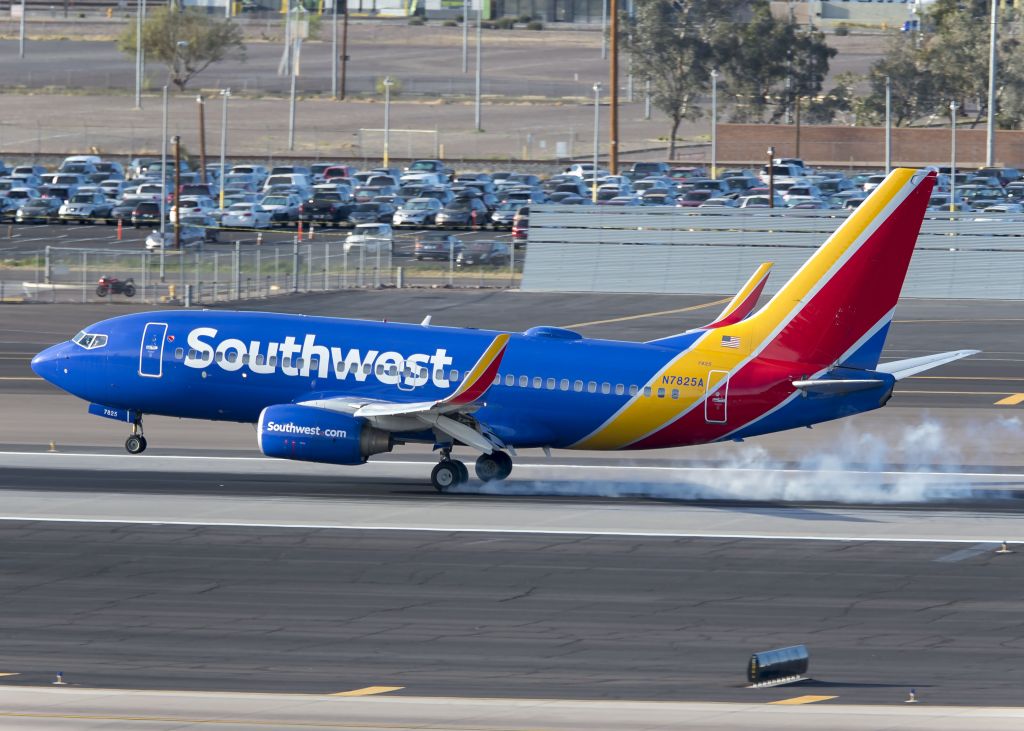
60	679
912	697
1005	548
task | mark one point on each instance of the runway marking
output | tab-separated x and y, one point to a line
1012	400
953	393
965	553
490	530
7	675
652	314
965	378
370	690
206	721
803	699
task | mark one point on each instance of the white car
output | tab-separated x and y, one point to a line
190	236
370	237
282	208
246	215
417	212
191	207
585	170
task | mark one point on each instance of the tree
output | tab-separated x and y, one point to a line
674	45
186	40
913	86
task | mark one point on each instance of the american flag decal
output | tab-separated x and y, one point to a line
730	341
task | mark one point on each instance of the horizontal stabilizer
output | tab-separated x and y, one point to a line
827	385
901	369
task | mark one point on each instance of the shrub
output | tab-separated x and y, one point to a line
524	18
450	24
417	21
505	23
842	29
534	25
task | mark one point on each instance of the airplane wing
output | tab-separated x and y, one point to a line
745	300
408	416
901	369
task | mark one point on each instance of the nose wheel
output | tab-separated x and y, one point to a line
136	443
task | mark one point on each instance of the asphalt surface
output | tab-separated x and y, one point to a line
502	616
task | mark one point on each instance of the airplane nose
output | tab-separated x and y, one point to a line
46	363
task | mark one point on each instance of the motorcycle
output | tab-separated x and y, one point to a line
113	285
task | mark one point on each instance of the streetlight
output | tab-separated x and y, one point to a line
771	177
597	139
163	187
465	36
953	107
226	93
21	30
387	83
479	56
334	51
176	141
990	139
714	123
138	54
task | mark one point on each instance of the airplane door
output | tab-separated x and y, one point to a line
716	401
151	352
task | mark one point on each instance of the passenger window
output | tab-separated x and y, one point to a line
538	382
366	368
179	353
259	359
564	384
439	375
454	377
675	393
298	363
314	363
647	391
592	387
245	359
191	353
619	389
633	390
577	386
380	369
661	393
286	362
510	380
497	380
219	357
551	384
606	388
524	381
273	361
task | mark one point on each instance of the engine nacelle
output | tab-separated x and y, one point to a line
288	431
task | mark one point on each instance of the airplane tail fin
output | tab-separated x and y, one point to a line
740	307
836	309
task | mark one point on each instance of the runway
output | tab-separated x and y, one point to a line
201	584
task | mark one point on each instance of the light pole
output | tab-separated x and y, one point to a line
888	125
138	54
296	50
479	61
201	103
953	107
604	29
465	36
990	138
226	93
21	30
163	187
334	51
597	140
176	141
714	123
387	116
771	177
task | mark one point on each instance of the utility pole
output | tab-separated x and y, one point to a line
771	177
953	107
479	57
714	123
888	125
226	93
21	30
334	52
177	187
163	187
465	36
138	53
597	140
202	139
344	49
613	84
990	139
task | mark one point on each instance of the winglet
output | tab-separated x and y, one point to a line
480	376
901	369
745	300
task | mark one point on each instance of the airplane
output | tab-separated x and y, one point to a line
339	391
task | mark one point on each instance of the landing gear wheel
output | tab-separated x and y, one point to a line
135	444
463	471
494	466
445	475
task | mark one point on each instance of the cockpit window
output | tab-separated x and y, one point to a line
89	341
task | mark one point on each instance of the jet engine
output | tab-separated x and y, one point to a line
288	431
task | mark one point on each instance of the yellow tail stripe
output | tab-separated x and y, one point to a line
741	296
483	363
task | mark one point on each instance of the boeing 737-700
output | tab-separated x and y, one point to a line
339	391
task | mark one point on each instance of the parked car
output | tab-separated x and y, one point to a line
145	213
371	212
190	236
39	210
283	208
462	212
484	253
246	215
503	215
204	222
417	212
326	207
87	208
190	206
369	237
437	246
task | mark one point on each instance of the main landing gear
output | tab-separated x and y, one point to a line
136	443
450	473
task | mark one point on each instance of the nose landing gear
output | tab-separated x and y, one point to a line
136	443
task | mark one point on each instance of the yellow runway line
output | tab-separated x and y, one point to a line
370	690
803	699
652	314
7	675
1012	400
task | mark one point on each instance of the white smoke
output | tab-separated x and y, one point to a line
926	462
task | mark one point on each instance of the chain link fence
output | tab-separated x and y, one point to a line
208	275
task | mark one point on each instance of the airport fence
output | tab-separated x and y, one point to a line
200	276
